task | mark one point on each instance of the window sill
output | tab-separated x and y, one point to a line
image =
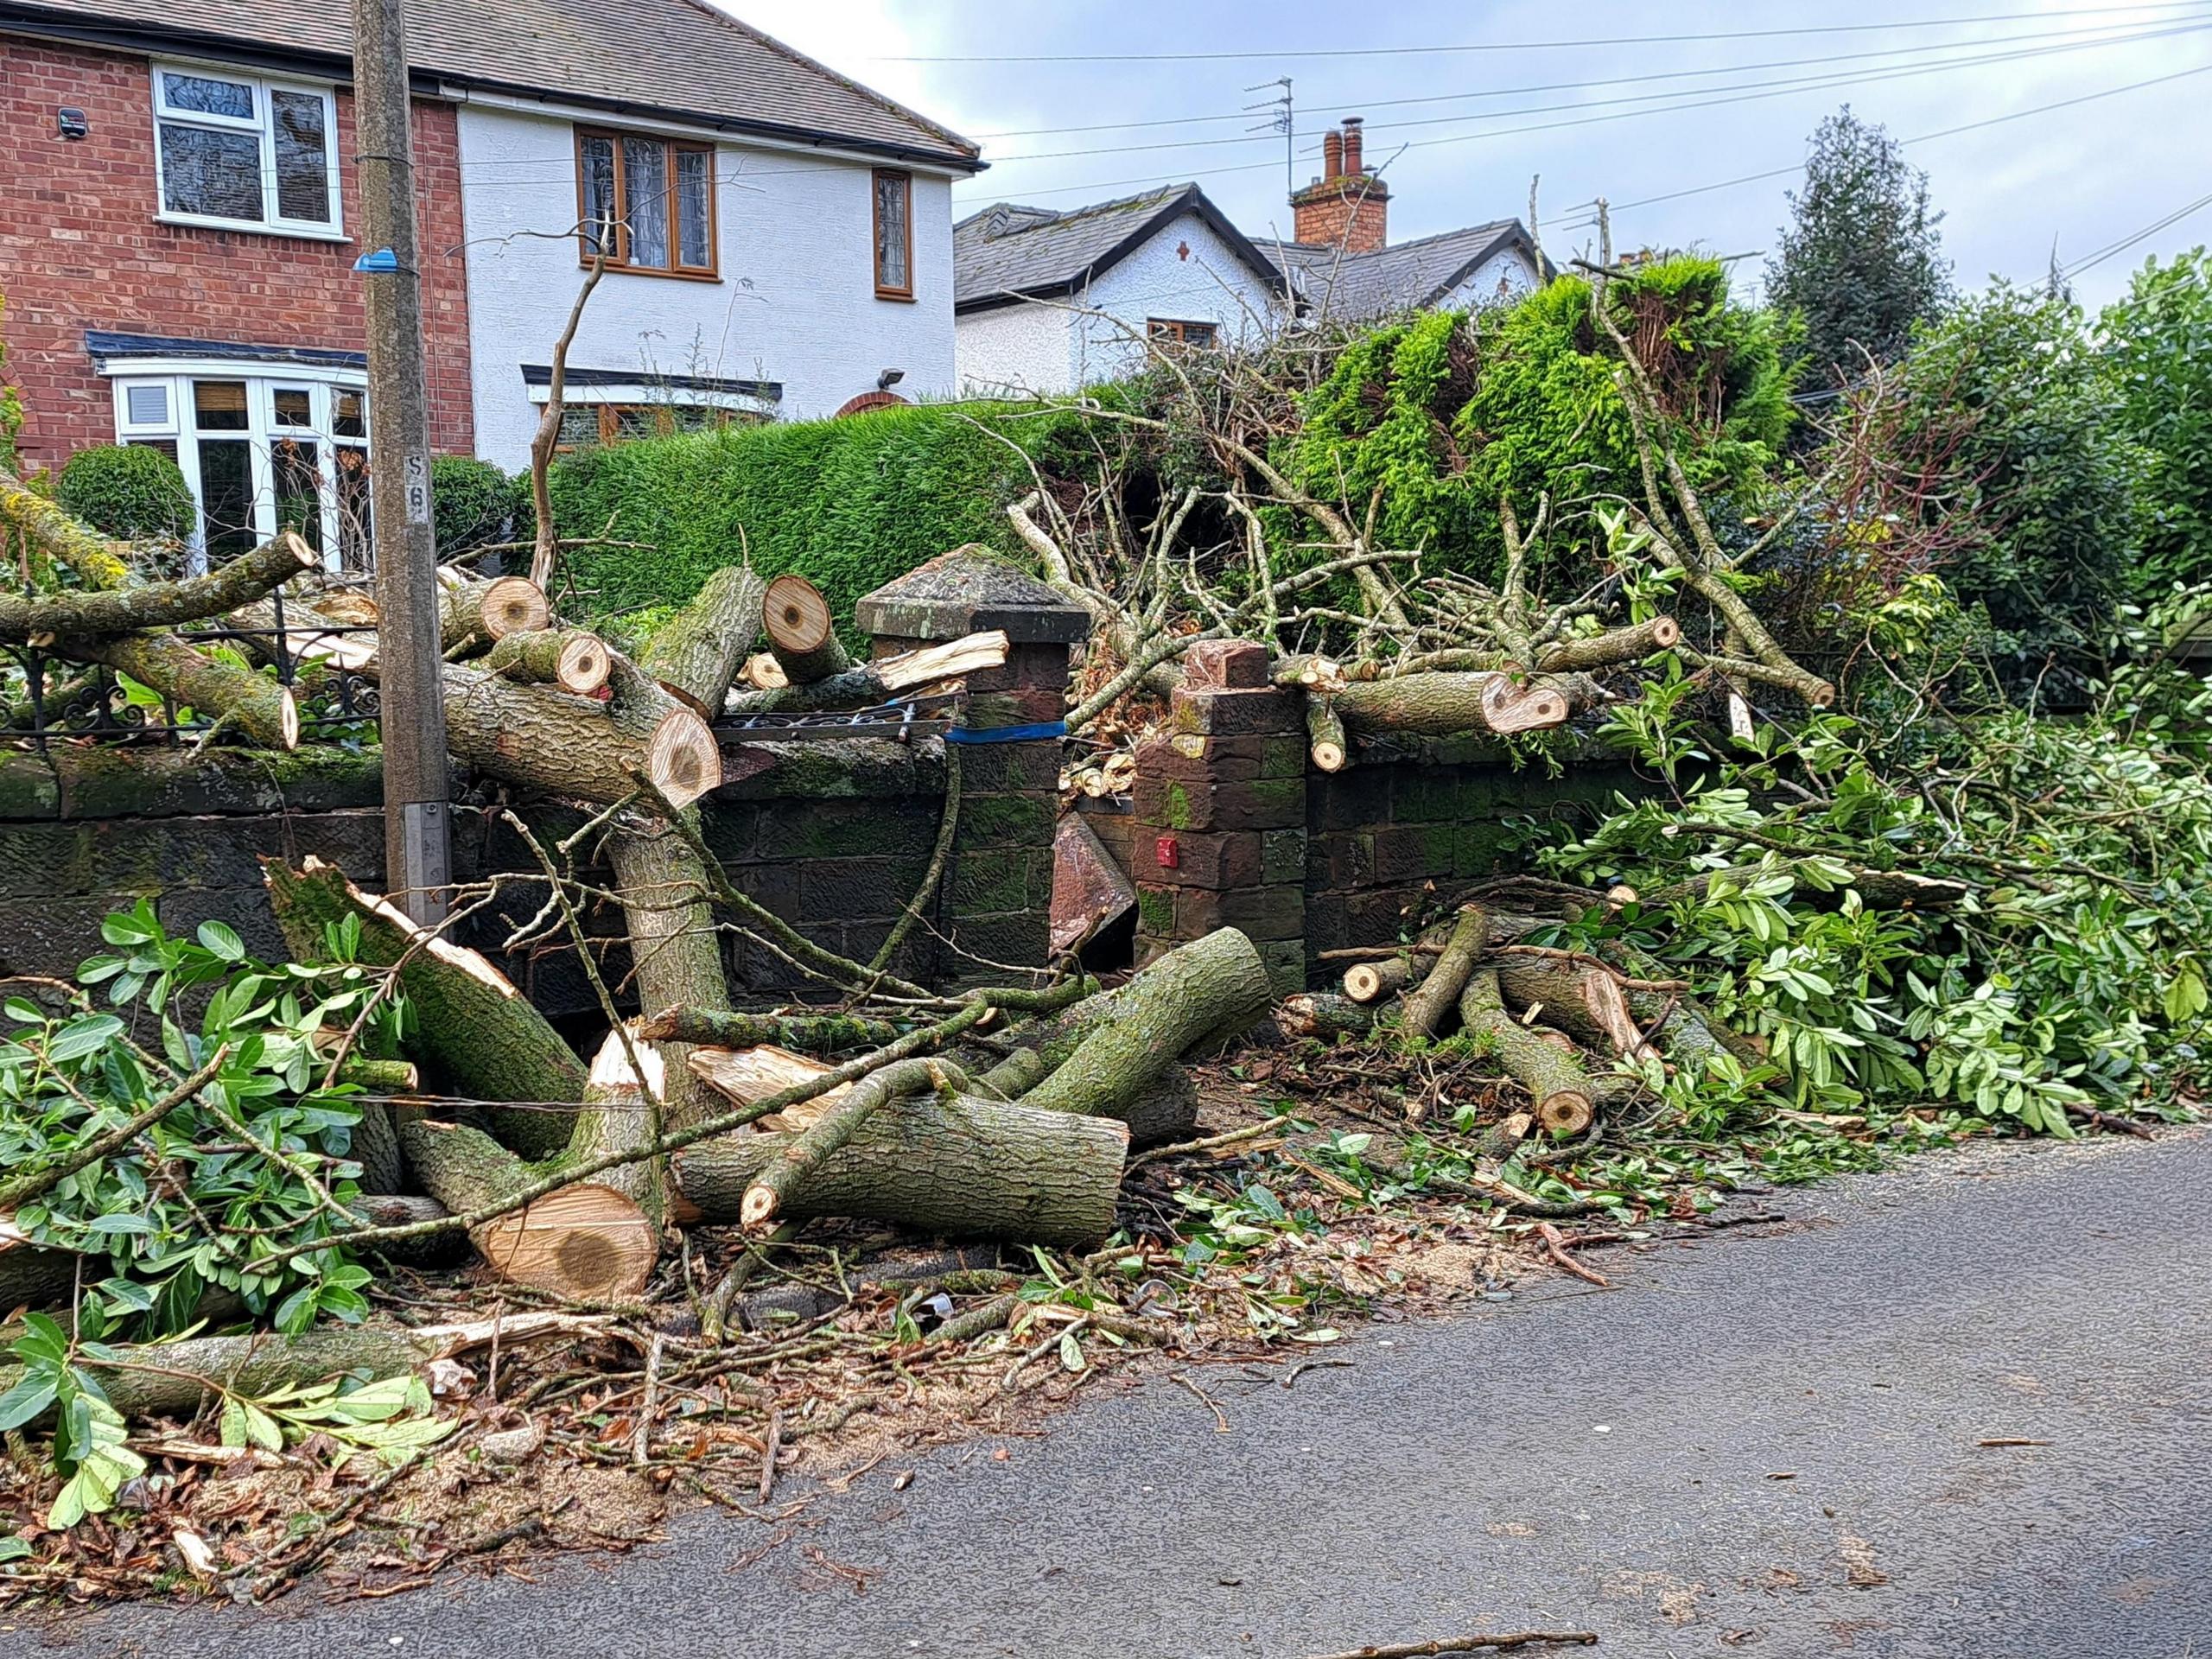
896	296
252	227
664	275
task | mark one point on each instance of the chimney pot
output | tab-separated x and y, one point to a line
1333	153
1353	163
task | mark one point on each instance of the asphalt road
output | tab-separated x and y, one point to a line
1573	1459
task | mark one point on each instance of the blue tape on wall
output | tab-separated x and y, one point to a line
1007	734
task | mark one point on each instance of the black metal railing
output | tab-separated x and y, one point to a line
64	699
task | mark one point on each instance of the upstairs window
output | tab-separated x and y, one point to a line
894	235
646	204
246	154
1168	331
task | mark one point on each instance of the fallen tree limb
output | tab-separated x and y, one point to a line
1553	1075
802	1154
1324	734
1158	1016
94	560
1438	992
964	1167
1318	1016
1442	705
39	618
698	651
1588	1003
819	1033
222	691
571	658
487	611
470	1022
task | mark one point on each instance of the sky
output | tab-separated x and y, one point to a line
1583	97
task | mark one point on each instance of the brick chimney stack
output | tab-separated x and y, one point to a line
1346	206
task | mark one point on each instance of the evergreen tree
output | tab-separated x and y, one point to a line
1861	261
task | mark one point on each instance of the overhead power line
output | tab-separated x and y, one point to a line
1525	89
2097	256
1507	46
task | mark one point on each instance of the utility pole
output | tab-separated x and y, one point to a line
416	805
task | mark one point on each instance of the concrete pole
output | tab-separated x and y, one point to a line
417	808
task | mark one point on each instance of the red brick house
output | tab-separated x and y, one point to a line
177	250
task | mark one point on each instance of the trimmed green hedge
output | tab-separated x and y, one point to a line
132	491
851	504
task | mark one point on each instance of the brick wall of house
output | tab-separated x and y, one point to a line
80	248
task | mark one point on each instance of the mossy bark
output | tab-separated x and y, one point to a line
676	954
1439	990
160	604
810	1033
699	650
963	1167
94	560
250	701
1553	1075
1157	1017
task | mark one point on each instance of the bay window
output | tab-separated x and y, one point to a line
240	152
261	451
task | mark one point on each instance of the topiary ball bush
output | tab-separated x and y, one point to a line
132	490
472	503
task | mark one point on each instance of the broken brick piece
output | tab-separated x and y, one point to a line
1225	664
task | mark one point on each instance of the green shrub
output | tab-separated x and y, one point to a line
2158	349
473	504
132	491
849	503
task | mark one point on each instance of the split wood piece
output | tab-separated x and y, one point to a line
1320	676
39	618
306	634
1443	705
470	1021
1586	1002
91	557
1324	734
884	677
762	672
698	650
676	952
573	746
238	697
746	1075
352	607
1439	991
802	632
588	1242
487	611
1324	1018
618	1116
1158	1016
802	1154
957	1167
819	1033
176	1379
1553	1077
571	658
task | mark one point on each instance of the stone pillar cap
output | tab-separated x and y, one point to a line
966	591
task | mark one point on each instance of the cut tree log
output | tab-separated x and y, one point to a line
571	658
698	650
802	1154
573	746
39	618
218	690
1371	981
1630	645
1584	1001
963	1167
1156	1018
1553	1075
307	633
879	680
470	1021
762	672
33	1276
486	612
586	1242
802	632
1324	734
676	950
176	1379
819	1033
1438	993
1319	1016
746	1075
1442	705
618	1116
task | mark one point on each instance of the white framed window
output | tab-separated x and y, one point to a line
263	447
243	153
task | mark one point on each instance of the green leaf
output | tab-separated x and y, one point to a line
87	1034
221	939
14	1549
1071	1351
31	1394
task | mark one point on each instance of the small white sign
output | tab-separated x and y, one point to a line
417	475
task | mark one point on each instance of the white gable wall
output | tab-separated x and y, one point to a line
1182	272
1011	350
795	302
1481	286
